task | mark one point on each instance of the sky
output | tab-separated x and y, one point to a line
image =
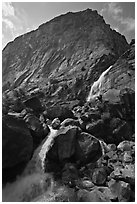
21	17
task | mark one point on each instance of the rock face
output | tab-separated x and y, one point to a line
62	57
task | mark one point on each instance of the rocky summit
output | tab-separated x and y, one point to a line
68	113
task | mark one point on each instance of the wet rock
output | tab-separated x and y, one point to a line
55	123
99	176
88	148
70	121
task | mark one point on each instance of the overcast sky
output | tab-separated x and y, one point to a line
21	17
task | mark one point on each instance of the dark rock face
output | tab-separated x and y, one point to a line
17	146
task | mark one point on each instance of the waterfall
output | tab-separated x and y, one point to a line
46	146
33	182
96	87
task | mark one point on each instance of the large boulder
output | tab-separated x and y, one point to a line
63	149
33	103
17	142
99	176
88	148
17	147
97	128
59	111
121	130
38	131
126	145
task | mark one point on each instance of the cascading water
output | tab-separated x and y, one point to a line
33	181
96	87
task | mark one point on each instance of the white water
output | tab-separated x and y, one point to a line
46	146
96	87
33	182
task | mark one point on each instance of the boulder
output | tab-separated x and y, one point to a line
33	103
64	145
86	184
17	142
120	189
126	145
107	192
38	131
92	196
88	148
127	157
126	173
96	128
121	130
112	147
124	192
17	147
55	123
59	111
99	176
